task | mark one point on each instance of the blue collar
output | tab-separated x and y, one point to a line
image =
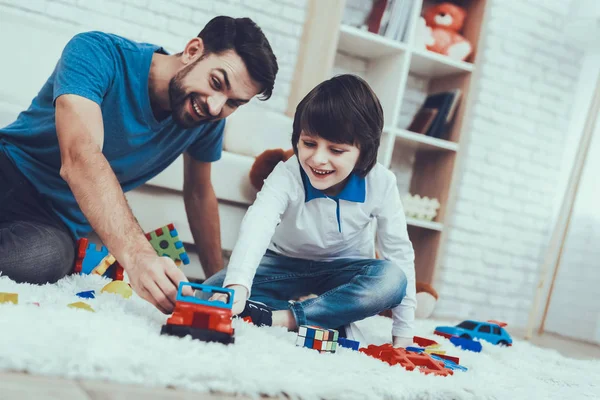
355	189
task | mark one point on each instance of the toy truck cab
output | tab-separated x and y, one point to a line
205	320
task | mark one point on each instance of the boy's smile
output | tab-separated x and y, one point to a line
327	164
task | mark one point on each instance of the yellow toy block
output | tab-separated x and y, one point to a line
435	351
118	287
81	305
103	265
9	298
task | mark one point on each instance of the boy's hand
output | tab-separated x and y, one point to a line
402	341
239	298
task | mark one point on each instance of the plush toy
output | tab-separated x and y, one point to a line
446	20
262	167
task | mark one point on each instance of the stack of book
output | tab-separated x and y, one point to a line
436	115
389	18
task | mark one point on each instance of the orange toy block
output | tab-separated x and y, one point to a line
82	245
409	360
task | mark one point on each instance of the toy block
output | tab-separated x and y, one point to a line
118	287
424	342
317	338
9	298
88	294
449	363
466	344
82	245
349	344
104	264
408	360
81	305
454	359
93	256
415	349
429	350
165	241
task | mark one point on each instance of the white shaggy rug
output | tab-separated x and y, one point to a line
121	342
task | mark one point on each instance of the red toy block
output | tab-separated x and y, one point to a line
423	342
82	245
409	360
455	360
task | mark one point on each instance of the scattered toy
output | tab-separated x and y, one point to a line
205	320
81	305
347	343
88	294
118	287
165	241
9	298
317	338
490	331
409	360
466	344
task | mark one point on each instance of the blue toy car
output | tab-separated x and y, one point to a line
490	331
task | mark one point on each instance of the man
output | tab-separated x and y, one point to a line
113	114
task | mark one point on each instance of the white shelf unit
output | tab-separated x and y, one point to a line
388	65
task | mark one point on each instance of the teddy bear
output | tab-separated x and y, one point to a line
261	168
446	20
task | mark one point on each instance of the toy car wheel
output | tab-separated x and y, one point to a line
503	343
465	336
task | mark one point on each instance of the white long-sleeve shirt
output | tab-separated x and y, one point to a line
292	218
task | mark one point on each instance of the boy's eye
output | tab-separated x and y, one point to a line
216	83
337	151
308	144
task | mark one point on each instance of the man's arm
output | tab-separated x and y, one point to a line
80	133
203	214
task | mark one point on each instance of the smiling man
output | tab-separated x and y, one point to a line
113	114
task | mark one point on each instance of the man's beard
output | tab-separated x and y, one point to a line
178	98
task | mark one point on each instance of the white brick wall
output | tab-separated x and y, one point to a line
505	198
172	23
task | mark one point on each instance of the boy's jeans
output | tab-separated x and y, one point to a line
348	289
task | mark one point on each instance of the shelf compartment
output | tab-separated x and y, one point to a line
428	64
422	142
365	44
434	226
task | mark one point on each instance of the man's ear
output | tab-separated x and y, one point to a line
193	51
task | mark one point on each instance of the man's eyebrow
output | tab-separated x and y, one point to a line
226	78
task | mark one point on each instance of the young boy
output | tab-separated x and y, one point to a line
313	218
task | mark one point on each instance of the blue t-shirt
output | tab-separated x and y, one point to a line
113	72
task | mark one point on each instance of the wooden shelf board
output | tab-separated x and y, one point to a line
434	226
428	64
365	44
422	142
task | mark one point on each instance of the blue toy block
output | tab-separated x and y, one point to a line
89	294
415	349
349	344
449	363
93	256
466	344
205	289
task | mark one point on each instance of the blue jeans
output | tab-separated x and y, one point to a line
348	289
35	245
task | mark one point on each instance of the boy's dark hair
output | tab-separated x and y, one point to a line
343	109
244	37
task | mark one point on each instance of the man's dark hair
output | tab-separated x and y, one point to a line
343	109
244	37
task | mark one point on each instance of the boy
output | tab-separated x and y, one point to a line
313	218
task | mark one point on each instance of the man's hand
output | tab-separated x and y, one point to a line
239	298
156	280
402	341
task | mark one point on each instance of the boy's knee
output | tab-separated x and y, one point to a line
393	282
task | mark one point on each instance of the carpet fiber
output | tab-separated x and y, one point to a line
121	342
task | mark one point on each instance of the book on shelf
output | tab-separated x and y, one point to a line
390	18
436	124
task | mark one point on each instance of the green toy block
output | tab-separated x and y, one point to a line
165	241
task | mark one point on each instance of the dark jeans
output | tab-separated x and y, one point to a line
35	245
